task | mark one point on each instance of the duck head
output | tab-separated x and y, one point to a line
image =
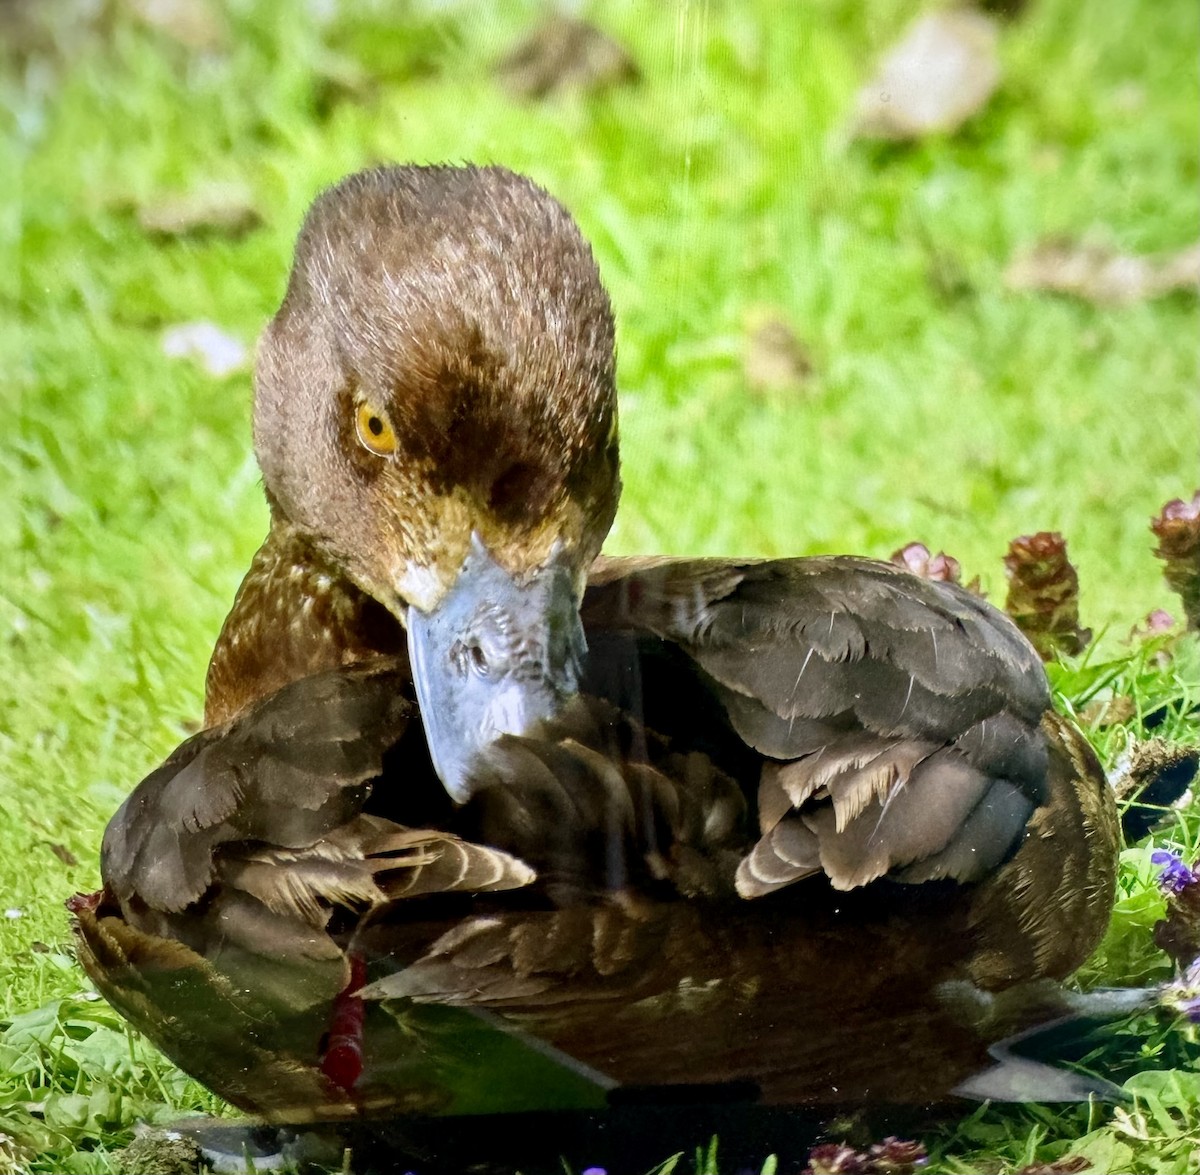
435	411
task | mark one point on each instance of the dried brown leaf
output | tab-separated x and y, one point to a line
1043	594
566	54
1098	273
222	209
942	71
774	358
64	854
194	24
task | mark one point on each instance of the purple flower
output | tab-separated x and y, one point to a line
1182	994
1175	876
594	1171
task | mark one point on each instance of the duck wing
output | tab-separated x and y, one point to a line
676	850
902	730
237	873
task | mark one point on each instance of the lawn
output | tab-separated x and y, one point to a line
721	188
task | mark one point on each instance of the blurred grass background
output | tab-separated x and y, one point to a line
722	186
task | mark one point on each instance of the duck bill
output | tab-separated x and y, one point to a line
498	656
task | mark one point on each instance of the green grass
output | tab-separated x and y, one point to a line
942	407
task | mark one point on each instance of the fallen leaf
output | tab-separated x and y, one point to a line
566	54
774	358
339	78
1097	273
224	209
194	24
1043	594
942	71
52	31
218	353
64	854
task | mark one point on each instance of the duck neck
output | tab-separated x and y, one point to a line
294	615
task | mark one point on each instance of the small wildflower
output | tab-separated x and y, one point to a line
1175	876
835	1158
892	1156
594	1171
1182	995
1179	932
896	1156
1160	620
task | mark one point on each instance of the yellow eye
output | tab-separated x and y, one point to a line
374	429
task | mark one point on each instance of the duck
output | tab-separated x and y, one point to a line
482	820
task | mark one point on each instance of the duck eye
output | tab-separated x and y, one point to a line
374	429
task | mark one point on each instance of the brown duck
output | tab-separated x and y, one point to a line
482	821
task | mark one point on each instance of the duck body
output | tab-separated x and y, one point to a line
622	901
482	822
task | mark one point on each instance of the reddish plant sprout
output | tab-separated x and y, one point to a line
834	1158
1160	620
1179	932
917	558
1156	623
892	1156
896	1156
81	902
1043	594
1177	529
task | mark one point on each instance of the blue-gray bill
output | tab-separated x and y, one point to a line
495	657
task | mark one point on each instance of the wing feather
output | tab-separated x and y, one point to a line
898	717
